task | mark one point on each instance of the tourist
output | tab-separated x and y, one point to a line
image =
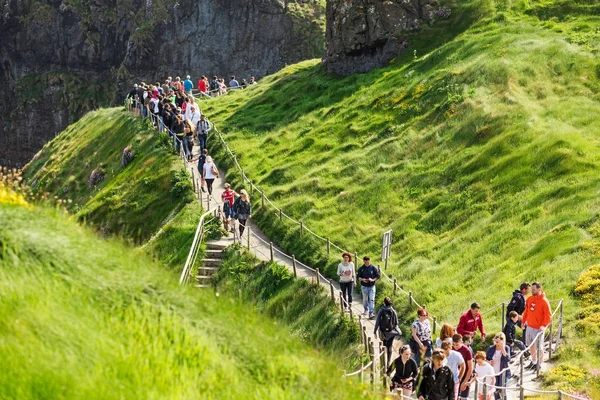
222	86
179	98
209	173
510	332
228	197
177	86
203	129
446	334
387	323
456	363
367	275
536	317
406	372
202	87
437	382
194	116
517	303
242	210
201	161
177	128
243	83
188	144
484	372
420	339
252	81
498	355
470	322
233	83
467	354
214	86
347	276
188	85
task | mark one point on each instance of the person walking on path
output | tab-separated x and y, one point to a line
233	83
465	352
188	85
368	274
446	334
536	317
209	173
228	197
177	128
498	355
437	382
517	303
470	322
242	210
188	133
420	339
202	87
347	276
485	373
201	161
510	332
406	372
387	323
203	129
456	363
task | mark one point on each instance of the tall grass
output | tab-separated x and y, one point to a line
87	318
477	146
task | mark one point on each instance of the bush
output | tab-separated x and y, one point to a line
127	156
181	183
96	177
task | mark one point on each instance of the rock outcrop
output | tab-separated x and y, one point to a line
366	34
60	58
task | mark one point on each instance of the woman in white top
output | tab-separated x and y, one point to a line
347	276
209	173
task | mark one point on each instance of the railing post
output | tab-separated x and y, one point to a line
207	201
560	320
280	215
503	384
503	314
410	299
366	340
521	370
550	342
194	180
521	392
560	395
477	389
294	265
271	249
539	343
301	228
484	389
251	188
332	290
263	199
395	286
360	330
328	246
341	301
375	358
247	237
318	281
355	258
434	323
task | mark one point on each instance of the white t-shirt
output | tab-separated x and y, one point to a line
208	174
488	371
346	272
438	342
497	360
453	361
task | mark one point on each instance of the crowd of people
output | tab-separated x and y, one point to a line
448	366
175	110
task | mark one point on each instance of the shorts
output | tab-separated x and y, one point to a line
465	393
530	334
228	210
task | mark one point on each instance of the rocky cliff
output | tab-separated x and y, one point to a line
366	34
60	58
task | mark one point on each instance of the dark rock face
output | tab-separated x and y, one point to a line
61	58
366	34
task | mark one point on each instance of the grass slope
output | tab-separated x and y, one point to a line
87	318
134	201
478	147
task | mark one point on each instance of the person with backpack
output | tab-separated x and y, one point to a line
437	380
242	210
406	374
203	129
201	161
368	274
214	86
517	303
347	276
209	173
387	323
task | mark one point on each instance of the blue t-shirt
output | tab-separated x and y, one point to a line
188	85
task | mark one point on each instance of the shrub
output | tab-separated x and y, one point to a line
127	156
96	177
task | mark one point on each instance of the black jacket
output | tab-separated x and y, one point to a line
368	272
438	385
404	371
517	303
510	332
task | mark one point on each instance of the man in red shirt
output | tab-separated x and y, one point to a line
536	317
228	197
465	352
202	84
470	322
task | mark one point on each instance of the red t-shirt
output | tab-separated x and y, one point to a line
229	196
202	85
467	355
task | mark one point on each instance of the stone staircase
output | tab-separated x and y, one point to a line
213	257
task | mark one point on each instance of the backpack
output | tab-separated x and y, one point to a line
386	321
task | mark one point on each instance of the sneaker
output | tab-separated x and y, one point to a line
371	316
531	366
364	313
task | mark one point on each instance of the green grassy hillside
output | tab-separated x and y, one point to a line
133	201
88	318
478	147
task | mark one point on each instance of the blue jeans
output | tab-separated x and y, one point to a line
202	138
368	293
160	124
186	145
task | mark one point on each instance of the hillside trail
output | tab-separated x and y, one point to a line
260	247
